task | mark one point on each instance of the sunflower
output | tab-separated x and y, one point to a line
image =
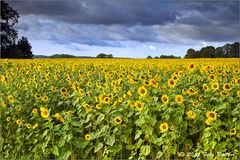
146	83
35	126
191	115
106	100
11	99
233	131
154	83
18	108
3	104
98	106
179	99
200	98
87	107
37	96
238	93
129	93
195	104
28	125
211	76
118	120
44	112
224	94
35	111
139	105
165	99
63	91
142	91
205	87
171	83
19	122
211	116
226	87
214	86
238	135
191	67
87	137
45	98
59	117
164	127
8	119
172	128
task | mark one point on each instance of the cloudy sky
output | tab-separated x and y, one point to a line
126	28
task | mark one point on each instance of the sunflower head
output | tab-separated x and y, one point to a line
205	87
142	91
179	99
214	86
87	137
171	83
191	115
211	116
164	127
44	112
165	99
139	105
118	120
233	131
226	87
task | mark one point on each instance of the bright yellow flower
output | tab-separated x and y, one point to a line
179	99
165	99
142	91
87	137
118	120
164	127
44	112
191	114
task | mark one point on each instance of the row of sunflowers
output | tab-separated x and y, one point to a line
119	109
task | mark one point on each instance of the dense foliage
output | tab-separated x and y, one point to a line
119	109
226	51
9	48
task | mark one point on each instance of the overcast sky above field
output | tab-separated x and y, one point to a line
126	28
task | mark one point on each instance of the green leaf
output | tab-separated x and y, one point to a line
145	150
110	140
98	147
138	134
81	143
139	143
67	154
55	151
99	119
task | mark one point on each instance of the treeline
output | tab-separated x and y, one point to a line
226	51
164	57
9	47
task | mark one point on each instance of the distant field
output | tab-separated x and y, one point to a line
120	108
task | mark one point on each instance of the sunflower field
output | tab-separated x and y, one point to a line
119	109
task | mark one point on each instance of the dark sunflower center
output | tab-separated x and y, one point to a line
172	82
118	120
212	115
164	99
142	91
164	126
227	86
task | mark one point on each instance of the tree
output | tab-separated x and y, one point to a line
110	56
149	57
14	52
207	52
25	47
190	53
101	55
234	50
219	52
9	17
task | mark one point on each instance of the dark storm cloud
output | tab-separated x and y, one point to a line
107	22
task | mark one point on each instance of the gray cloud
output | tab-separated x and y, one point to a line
108	22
